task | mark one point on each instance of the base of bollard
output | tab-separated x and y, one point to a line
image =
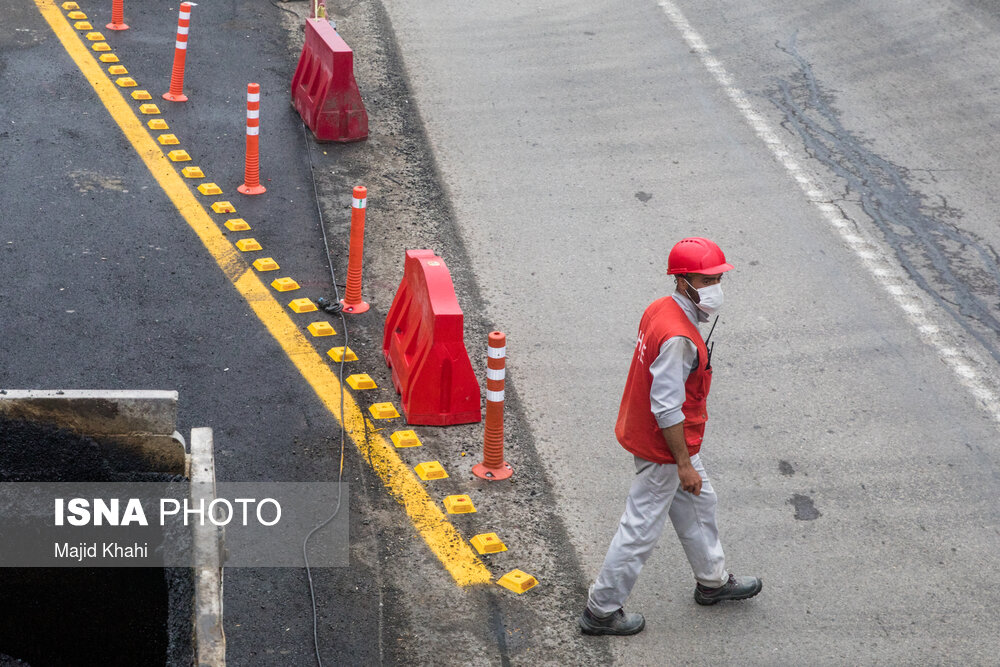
252	189
355	308
116	26
175	98
492	474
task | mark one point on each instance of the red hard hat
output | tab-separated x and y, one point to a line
697	255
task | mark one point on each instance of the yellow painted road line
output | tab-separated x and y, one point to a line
441	536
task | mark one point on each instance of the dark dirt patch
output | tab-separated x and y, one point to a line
805	509
83	616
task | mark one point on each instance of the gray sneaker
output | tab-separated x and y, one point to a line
616	623
737	588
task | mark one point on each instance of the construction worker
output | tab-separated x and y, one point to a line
661	421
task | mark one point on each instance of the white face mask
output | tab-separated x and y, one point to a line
710	299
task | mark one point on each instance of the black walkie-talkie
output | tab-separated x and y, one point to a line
711	347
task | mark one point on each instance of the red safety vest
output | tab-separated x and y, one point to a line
637	430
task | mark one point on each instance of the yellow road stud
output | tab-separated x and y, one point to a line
192	172
83	25
168	139
324	329
303	306
126	82
360	381
150	109
209	189
517	581
160	124
70	5
459	504
223	207
236	224
117	70
337	353
430	470
248	245
488	543
384	411
284	284
141	95
266	264
77	16
108	58
101	46
181	155
95	37
405	439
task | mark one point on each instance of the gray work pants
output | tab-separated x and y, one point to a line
656	494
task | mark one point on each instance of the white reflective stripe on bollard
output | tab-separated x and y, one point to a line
253	97
496	373
497	352
494	396
182	45
359	203
253	113
253	131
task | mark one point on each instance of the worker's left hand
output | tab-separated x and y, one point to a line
690	479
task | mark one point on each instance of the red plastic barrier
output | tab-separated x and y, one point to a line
423	344
324	91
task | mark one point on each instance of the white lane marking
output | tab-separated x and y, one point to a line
962	364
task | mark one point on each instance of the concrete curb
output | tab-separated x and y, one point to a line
210	641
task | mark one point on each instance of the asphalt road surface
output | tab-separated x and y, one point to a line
857	470
106	287
841	154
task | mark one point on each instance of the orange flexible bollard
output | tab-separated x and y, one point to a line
251	173
176	93
317	9
117	16
352	302
493	466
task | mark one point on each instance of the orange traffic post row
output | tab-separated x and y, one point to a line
176	93
493	466
352	301
251	173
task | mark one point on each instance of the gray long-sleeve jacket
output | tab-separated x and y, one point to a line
677	358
